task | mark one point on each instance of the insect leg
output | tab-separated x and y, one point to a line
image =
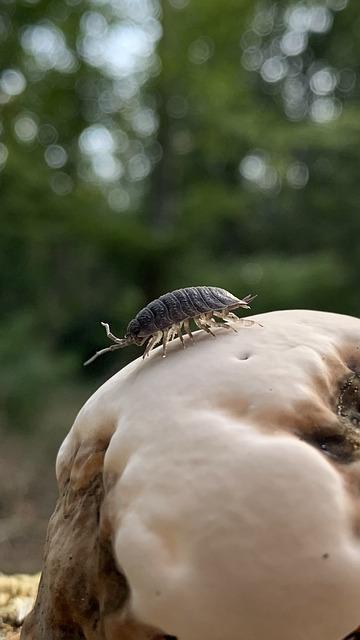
188	330
175	331
249	323
228	315
212	322
207	321
165	341
172	332
201	323
224	315
179	333
155	338
244	321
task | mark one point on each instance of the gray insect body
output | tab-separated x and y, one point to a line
164	318
179	305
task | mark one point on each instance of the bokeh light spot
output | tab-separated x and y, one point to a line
119	199
47	134
252	58
55	156
12	82
107	167
94	23
273	69
201	50
139	167
145	122
252	167
46	43
96	139
293	43
323	81
25	128
61	183
297	175
324	110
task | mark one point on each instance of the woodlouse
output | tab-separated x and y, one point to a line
164	318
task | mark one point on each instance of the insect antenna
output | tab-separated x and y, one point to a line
120	343
112	347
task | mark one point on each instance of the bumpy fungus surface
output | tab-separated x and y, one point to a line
215	494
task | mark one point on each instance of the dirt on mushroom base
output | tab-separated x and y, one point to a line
17	595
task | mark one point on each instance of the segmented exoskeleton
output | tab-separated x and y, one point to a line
164	318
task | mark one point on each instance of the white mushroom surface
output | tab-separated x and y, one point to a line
232	515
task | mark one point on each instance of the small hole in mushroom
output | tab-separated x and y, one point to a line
244	356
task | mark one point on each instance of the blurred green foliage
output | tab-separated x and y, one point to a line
147	146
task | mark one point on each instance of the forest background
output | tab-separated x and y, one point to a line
146	146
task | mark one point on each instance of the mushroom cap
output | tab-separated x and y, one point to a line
231	515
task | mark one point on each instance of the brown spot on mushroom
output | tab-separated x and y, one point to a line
339	437
333	443
348	404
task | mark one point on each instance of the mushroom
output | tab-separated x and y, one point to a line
215	494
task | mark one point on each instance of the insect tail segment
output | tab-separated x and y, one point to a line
119	343
246	301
